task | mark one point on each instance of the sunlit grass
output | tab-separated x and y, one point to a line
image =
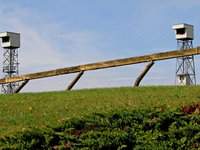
18	111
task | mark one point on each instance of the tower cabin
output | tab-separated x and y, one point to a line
10	40
183	31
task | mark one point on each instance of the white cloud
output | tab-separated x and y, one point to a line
81	43
38	53
35	51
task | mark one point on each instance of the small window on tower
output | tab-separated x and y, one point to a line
5	39
180	31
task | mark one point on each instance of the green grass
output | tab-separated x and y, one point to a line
19	111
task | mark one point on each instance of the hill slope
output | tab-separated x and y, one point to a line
18	111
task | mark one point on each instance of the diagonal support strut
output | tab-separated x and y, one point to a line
21	86
137	82
74	81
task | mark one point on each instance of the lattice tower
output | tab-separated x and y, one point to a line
10	69
185	66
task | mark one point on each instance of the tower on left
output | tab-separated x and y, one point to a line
10	42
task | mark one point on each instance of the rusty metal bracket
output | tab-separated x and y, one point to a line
138	80
74	81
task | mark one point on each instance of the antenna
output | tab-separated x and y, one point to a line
10	42
185	68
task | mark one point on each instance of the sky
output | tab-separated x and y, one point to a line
64	33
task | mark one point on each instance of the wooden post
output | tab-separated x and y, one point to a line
21	86
137	82
74	81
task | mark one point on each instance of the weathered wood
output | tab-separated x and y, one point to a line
106	64
74	81
21	86
144	72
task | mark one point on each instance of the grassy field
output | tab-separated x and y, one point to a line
18	111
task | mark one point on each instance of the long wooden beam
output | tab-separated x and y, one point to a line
105	64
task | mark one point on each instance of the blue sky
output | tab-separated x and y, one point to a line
63	33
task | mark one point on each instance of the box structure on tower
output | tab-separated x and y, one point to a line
183	31
10	42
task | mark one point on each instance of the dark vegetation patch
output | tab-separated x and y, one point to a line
110	118
189	109
163	128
